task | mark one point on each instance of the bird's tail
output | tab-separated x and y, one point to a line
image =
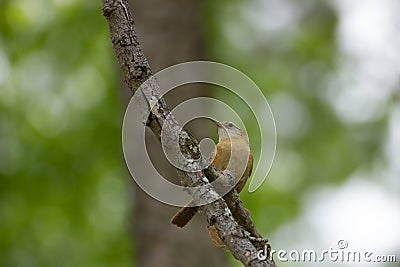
184	215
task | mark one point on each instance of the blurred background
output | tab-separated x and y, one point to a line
330	70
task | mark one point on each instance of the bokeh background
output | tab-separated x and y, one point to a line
330	70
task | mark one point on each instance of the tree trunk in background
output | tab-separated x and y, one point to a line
170	32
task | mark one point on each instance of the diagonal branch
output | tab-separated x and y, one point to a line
243	242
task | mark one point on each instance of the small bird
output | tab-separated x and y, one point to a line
232	141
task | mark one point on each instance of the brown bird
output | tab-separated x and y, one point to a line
232	141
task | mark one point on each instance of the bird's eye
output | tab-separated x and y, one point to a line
230	124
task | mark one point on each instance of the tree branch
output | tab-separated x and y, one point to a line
244	243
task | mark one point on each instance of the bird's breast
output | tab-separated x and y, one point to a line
234	155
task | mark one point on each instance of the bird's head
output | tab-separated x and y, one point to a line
227	129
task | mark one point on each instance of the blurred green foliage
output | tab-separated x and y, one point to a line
64	197
63	189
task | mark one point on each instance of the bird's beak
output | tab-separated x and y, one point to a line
217	123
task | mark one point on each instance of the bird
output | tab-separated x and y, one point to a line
231	141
